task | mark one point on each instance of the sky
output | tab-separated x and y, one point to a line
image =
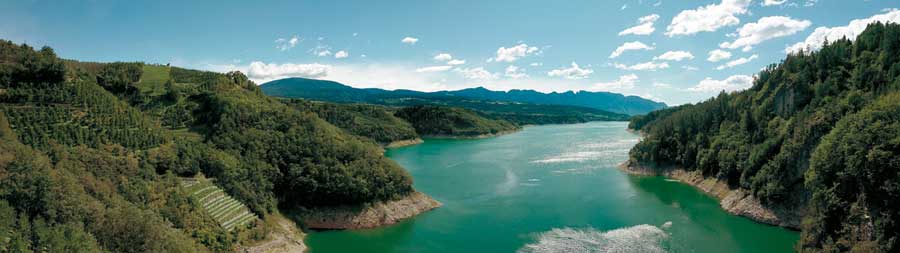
675	52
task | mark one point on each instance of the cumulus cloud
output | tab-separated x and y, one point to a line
707	18
646	66
628	46
409	40
736	62
514	53
718	55
773	2
270	71
284	44
625	82
478	74
456	62
574	72
341	54
434	69
514	72
443	57
644	27
850	31
732	83
766	28
675	56
320	50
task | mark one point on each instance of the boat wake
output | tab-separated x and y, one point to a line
640	238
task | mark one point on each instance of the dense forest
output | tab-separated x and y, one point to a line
489	104
439	121
819	132
375	122
92	155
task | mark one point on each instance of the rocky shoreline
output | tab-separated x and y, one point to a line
472	137
285	236
734	201
404	143
368	216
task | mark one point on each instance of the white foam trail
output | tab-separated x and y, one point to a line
640	238
509	183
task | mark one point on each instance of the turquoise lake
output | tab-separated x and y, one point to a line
552	188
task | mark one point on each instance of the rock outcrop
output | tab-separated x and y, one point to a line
367	216
734	201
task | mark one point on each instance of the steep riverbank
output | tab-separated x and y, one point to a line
734	201
369	216
404	143
285	236
472	137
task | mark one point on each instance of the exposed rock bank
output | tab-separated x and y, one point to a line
734	201
466	137
284	237
369	216
403	143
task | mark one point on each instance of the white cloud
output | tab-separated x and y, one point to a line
443	57
644	27
434	69
736	62
627	46
409	40
646	66
773	2
574	72
514	72
765	29
856	26
690	68
320	50
536	64
718	55
732	83
341	54
284	44
661	85
456	62
514	53
271	71
625	82
707	18
675	56
478	74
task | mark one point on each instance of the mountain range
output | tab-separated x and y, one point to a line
336	92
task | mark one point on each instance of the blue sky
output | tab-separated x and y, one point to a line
665	55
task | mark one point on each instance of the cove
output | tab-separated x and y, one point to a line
552	188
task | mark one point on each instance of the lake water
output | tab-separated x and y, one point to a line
552	189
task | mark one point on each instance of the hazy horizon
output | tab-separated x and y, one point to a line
673	52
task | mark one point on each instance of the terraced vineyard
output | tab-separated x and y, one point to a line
227	211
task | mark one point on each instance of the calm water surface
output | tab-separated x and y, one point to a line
552	189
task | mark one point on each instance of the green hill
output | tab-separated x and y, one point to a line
818	132
92	154
372	121
438	121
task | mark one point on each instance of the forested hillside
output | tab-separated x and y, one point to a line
372	121
818	132
438	121
518	112
92	154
